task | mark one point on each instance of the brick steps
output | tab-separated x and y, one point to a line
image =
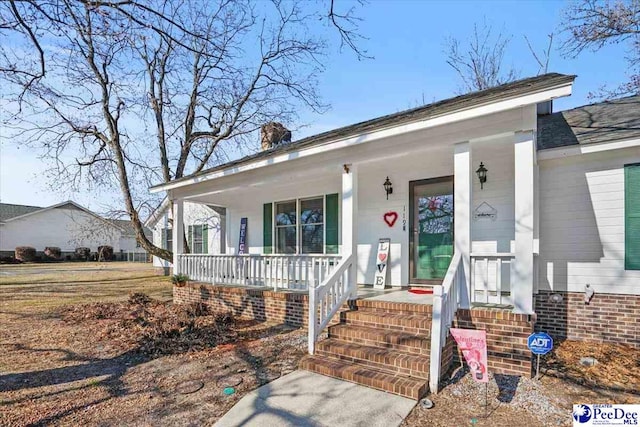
379	344
383	359
410	323
412	388
380	337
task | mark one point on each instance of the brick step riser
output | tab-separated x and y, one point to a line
385	367
416	347
405	310
411	393
381	324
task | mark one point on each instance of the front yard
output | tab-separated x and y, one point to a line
81	345
76	349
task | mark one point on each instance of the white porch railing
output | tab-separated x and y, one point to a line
292	272
446	300
491	277
327	298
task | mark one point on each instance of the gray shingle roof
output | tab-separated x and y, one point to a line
469	100
127	226
607	121
8	210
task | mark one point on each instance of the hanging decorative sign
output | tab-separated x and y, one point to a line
242	244
473	344
390	218
485	211
382	260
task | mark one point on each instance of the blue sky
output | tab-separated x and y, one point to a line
407	39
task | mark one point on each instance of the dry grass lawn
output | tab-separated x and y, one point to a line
59	368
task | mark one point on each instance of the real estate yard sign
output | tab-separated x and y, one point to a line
473	344
242	244
382	260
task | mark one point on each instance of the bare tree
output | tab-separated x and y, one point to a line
542	58
592	24
123	94
480	61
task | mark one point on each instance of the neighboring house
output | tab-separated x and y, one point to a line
503	208
66	225
204	226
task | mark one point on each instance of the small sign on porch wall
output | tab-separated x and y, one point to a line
485	211
242	244
382	260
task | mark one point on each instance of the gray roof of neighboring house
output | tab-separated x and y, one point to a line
435	109
608	121
127	226
8	210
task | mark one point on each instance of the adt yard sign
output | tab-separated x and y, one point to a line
540	343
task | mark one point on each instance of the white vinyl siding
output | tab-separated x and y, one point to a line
582	235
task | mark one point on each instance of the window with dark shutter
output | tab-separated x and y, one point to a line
632	217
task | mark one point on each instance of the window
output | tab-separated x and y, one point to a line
286	227
167	239
299	226
198	239
632	217
303	226
312	226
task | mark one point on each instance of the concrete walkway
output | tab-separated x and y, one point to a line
304	398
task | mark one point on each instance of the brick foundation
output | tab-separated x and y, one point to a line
608	318
261	305
507	335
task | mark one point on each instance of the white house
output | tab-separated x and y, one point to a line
491	199
66	225
205	227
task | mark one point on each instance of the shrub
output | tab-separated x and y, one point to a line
83	253
53	252
25	253
105	253
8	260
179	279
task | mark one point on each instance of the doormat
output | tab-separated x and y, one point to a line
421	290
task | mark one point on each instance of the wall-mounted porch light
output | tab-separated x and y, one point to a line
388	187
482	175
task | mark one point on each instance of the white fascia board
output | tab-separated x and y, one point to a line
157	214
576	150
470	113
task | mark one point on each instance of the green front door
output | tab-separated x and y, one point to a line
431	239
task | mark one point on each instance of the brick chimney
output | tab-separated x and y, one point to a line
273	134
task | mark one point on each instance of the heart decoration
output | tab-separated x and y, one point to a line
382	257
390	218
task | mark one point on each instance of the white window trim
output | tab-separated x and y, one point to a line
299	224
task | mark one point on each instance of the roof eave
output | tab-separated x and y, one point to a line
554	91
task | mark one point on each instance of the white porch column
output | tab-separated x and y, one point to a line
522	277
349	221
462	200
177	233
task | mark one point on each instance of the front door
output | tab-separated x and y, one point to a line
431	236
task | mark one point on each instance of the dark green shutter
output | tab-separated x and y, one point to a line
205	239
632	217
332	221
267	228
190	238
164	238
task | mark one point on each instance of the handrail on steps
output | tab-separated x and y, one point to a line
326	299
446	299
